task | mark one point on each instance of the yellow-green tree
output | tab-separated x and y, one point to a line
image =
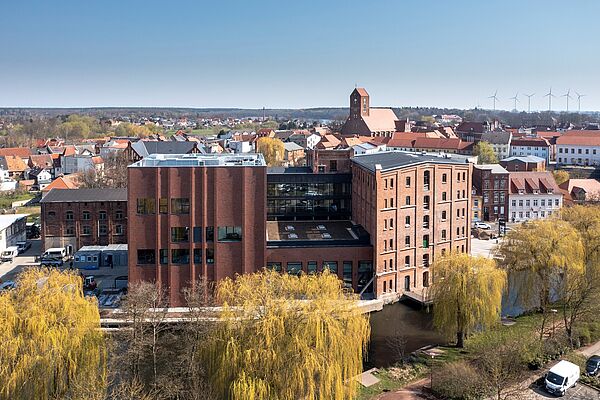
542	256
466	293
485	153
560	176
272	149
51	343
287	337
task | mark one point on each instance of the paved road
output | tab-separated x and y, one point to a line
483	248
579	392
590	350
9	270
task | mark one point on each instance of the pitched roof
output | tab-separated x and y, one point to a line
530	182
85	195
441	143
144	147
538	142
291	146
13	163
23	152
381	120
62	182
579	138
590	186
362	91
478	127
496	137
40	160
524	159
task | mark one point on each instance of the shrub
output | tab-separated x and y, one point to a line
458	381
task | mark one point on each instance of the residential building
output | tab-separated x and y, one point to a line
470	131
143	148
415	207
580	148
41	176
524	146
582	190
500	142
365	120
12	230
293	154
523	163
490	181
62	182
81	163
72	218
21	152
533	195
42	161
15	166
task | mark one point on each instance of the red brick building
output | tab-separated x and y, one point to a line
415	207
490	182
193	216
72	218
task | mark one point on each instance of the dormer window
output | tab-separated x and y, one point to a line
521	191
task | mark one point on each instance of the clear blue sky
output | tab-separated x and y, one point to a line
296	54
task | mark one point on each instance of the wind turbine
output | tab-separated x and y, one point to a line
549	95
579	96
567	96
495	98
516	99
529	96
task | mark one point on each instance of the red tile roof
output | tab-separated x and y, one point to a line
537	142
23	152
579	138
62	182
529	182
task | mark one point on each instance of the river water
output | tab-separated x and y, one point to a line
412	322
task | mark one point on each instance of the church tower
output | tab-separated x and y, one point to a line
359	104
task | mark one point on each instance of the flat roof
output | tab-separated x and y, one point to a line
85	195
389	160
201	160
495	168
7	220
111	247
310	230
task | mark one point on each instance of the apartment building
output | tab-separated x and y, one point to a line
490	183
500	142
580	148
414	207
539	147
533	195
73	218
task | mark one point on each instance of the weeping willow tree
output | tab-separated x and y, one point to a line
543	257
286	337
466	293
50	340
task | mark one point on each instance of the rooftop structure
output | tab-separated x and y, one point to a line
389	160
201	160
85	195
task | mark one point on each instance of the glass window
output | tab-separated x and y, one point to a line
425	221
365	275
426	177
407	200
425	241
275	266
102	215
163	205
180	205
197	256
443	234
70	231
86	230
119	214
294	268
145	206
210	233
311	267
210	256
229	233
119	229
69	216
444	178
102	230
331	266
407	241
180	234
347	273
146	256
180	256
443	196
163	256
408	181
444	215
86	216
197	234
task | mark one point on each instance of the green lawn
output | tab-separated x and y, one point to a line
6	200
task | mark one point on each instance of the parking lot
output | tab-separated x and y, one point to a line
10	270
579	392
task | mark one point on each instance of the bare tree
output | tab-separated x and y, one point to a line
113	175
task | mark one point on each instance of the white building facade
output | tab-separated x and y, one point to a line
12	230
533	195
578	148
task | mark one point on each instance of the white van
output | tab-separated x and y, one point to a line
10	253
54	256
561	377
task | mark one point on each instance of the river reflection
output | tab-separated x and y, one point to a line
413	322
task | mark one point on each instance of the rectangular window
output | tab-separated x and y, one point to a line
347	274
145	206
443	234
407	200
197	256
210	233
146	256
197	234
119	214
210	256
180	205
163	205
102	230
275	266
425	241
180	256
229	233
408	181
164	256
406	261
444	178
311	267
180	234
331	266
294	268
119	229
407	241
86	216
86	230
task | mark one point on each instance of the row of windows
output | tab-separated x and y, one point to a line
460	212
579	151
181	234
528	214
426	180
542	203
147	205
498	184
87	215
102	230
585	161
308	189
178	256
365	270
499	197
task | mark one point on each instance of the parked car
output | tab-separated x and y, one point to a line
54	257
23	246
7	285
561	377
482	225
592	366
10	253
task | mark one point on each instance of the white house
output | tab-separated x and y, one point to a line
539	147
312	140
12	229
533	195
500	142
367	148
578	148
241	146
81	163
42	177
